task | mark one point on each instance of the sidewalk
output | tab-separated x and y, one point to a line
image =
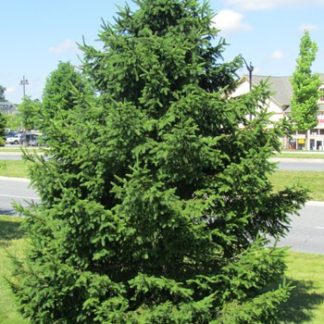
296	160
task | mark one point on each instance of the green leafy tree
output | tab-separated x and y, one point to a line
305	85
29	113
61	88
12	121
155	200
2	93
3	123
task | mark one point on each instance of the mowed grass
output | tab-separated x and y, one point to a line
304	272
11	244
306	303
14	168
18	149
300	155
8	149
311	180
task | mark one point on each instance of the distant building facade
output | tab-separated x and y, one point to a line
7	107
279	106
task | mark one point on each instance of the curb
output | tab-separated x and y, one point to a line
298	160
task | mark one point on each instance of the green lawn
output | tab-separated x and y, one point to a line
305	272
13	168
7	149
306	303
300	155
11	243
18	149
312	180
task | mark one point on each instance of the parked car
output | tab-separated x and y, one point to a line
30	138
13	139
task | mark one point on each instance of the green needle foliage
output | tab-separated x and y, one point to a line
155	201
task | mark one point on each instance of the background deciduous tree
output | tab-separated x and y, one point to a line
29	113
2	117
2	93
305	85
155	202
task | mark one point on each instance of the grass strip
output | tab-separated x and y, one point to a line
11	243
311	180
304	272
14	168
300	155
306	303
19	149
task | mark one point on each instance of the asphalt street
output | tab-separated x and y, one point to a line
283	163
306	233
299	164
15	190
10	156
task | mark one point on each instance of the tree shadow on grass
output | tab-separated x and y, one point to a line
9	230
302	301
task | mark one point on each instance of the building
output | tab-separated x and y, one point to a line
7	107
279	106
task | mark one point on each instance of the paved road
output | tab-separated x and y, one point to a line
283	163
306	233
14	189
10	156
307	230
299	164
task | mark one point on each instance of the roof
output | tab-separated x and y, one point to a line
280	87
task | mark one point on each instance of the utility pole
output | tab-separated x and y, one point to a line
250	68
24	82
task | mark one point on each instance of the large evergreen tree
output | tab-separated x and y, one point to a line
305	85
155	201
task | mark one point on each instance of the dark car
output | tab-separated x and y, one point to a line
30	139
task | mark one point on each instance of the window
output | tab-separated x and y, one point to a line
314	132
321	93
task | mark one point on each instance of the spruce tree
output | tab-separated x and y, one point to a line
155	199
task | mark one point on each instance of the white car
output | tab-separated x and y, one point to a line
13	139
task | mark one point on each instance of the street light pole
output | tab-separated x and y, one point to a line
24	82
250	68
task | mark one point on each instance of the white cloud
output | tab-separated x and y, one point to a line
268	4
10	90
67	46
277	55
257	70
307	27
230	21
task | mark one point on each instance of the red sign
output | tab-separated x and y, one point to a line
320	119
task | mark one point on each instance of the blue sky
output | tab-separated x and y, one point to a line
37	34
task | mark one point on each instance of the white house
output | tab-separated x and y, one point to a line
279	106
7	107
